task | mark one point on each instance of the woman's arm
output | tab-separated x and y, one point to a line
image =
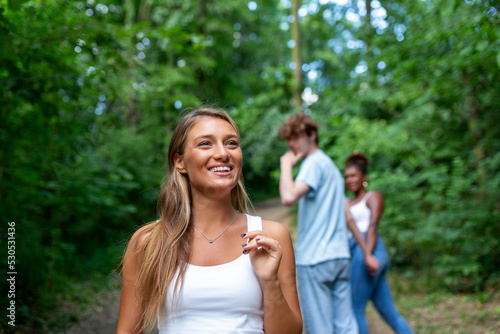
130	313
371	261
274	265
376	205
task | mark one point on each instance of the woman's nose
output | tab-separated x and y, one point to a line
221	152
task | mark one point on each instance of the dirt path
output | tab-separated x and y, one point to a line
102	317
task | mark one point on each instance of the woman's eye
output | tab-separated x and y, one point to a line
233	143
204	143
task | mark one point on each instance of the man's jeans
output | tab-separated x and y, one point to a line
325	297
375	288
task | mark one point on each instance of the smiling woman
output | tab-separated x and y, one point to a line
366	210
211	158
206	266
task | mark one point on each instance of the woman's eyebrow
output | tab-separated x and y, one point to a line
204	136
209	136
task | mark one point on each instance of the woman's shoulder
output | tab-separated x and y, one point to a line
274	229
375	194
375	197
142	234
279	232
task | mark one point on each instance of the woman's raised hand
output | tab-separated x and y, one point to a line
265	254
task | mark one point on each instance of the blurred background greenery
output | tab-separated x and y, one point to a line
90	92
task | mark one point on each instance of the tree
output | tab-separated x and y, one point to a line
91	93
418	91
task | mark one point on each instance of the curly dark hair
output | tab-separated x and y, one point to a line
359	161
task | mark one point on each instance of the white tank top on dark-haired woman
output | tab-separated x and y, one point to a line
361	213
220	299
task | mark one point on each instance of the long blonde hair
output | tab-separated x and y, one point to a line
165	247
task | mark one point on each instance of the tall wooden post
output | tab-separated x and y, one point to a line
297	72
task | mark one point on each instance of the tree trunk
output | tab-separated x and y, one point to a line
202	14
129	13
297	72
144	11
368	24
368	12
201	18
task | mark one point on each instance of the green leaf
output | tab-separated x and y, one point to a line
482	45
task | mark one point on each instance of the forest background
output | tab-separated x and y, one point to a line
90	92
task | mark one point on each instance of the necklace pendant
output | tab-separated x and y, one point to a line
217	237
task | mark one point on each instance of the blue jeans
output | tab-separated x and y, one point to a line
325	297
375	288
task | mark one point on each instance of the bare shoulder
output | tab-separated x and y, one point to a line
376	199
275	229
376	195
141	236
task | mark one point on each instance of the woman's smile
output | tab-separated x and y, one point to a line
221	170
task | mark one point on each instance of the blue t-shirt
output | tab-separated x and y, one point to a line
321	230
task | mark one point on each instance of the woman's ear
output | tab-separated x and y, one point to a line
179	164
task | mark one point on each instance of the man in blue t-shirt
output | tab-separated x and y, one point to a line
321	249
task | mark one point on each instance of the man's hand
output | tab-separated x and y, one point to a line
290	158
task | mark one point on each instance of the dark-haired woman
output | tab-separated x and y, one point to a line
366	209
186	273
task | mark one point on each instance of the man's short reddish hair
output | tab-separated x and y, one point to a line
297	125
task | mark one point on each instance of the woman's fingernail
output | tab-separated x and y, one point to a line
243	235
243	245
257	239
245	251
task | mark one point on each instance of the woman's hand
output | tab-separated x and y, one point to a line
265	254
372	264
271	255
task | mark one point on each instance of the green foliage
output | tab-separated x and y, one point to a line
90	95
91	92
423	113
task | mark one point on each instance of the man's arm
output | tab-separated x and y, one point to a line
290	191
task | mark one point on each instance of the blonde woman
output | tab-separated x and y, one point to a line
206	266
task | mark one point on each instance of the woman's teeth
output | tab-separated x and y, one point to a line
221	169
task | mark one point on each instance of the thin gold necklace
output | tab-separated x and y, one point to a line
217	237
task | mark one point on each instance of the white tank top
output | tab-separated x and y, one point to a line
361	213
220	299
